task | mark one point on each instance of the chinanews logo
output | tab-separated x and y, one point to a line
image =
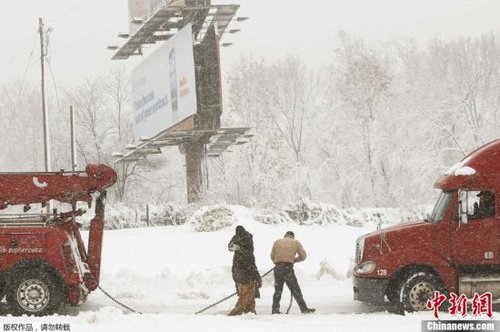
480	307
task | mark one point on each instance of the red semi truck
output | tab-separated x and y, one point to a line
456	250
43	261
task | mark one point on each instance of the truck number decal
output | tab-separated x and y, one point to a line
39	184
382	272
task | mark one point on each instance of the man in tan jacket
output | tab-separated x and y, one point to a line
285	253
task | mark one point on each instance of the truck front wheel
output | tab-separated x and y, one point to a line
33	292
417	289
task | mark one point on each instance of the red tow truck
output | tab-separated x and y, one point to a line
43	261
456	250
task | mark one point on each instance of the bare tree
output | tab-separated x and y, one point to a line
102	128
290	101
118	89
363	82
21	126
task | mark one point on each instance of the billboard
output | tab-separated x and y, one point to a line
163	86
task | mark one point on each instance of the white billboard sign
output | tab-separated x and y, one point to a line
163	86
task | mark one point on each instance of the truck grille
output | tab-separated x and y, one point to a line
357	255
360	246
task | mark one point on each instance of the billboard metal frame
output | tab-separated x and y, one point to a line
218	140
166	21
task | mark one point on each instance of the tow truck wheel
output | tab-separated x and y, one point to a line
417	289
33	292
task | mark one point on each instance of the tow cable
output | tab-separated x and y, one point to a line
118	302
200	311
230	296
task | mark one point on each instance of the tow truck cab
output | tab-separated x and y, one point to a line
456	250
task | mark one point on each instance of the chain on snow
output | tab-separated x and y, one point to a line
118	302
198	312
230	296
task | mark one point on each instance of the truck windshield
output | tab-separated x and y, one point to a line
441	206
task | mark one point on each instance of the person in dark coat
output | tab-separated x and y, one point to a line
245	273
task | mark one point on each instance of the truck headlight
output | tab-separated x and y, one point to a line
366	267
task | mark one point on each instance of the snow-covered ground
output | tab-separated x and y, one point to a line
169	273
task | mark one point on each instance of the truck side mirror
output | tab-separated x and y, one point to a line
462	206
463	219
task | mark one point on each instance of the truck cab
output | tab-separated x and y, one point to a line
456	250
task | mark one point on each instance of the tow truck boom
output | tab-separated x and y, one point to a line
67	187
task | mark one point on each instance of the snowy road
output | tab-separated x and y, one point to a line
169	273
336	312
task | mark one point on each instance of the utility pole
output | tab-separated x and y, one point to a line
46	146
73	145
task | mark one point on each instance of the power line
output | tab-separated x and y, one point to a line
16	53
27	66
88	37
55	85
67	11
29	38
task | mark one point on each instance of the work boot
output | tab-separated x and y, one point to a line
308	310
276	312
234	312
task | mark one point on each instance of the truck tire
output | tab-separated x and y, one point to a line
417	288
33	292
3	288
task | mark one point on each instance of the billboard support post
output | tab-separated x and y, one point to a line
194	179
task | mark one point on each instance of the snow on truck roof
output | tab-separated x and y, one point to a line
480	169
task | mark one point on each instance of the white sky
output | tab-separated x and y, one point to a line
83	28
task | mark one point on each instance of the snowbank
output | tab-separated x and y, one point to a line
215	217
